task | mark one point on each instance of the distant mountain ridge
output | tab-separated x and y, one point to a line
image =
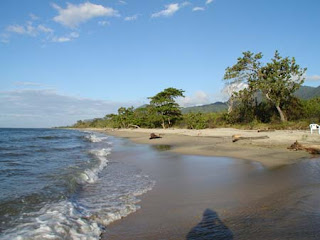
304	92
213	107
307	92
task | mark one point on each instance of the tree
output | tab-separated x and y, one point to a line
125	116
277	80
240	75
165	106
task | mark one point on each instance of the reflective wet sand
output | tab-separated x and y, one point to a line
219	198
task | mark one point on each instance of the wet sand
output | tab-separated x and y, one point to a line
271	152
198	197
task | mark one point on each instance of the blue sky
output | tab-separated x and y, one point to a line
67	60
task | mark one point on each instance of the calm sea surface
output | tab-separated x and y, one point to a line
63	184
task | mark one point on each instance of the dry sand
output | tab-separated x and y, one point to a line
271	152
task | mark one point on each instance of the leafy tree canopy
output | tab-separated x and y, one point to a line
277	80
165	105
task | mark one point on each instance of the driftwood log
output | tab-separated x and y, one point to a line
266	130
310	149
154	136
238	137
132	125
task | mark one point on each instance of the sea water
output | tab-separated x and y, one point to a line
63	184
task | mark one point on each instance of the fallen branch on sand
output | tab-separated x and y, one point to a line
154	136
132	125
311	149
266	130
238	137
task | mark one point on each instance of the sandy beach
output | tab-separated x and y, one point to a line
271	152
207	189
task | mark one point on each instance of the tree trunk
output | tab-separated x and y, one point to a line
169	122
230	105
282	116
163	124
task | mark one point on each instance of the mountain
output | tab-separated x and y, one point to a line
306	92
213	107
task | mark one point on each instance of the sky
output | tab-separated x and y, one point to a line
62	61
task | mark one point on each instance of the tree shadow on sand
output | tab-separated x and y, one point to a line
210	228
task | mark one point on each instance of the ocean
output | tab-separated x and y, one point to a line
63	184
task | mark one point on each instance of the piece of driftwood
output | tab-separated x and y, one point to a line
266	130
154	136
132	125
310	149
238	137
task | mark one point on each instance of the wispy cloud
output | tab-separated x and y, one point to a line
168	11
33	17
67	38
132	18
122	2
73	15
28	29
4	38
47	108
184	4
103	23
209	1
313	78
37	30
195	9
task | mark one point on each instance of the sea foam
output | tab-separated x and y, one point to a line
108	192
94	138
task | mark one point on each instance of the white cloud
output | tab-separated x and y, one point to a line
44	29
33	17
122	2
184	4
229	89
209	1
29	29
16	29
197	99
47	108
103	23
131	18
67	38
195	9
73	15
313	78
168	11
4	39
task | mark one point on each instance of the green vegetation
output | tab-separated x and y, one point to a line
165	107
277	80
272	98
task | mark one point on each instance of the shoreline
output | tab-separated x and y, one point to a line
271	152
217	196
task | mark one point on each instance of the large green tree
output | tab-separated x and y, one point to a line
277	80
165	105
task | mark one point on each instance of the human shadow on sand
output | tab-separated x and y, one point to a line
210	228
